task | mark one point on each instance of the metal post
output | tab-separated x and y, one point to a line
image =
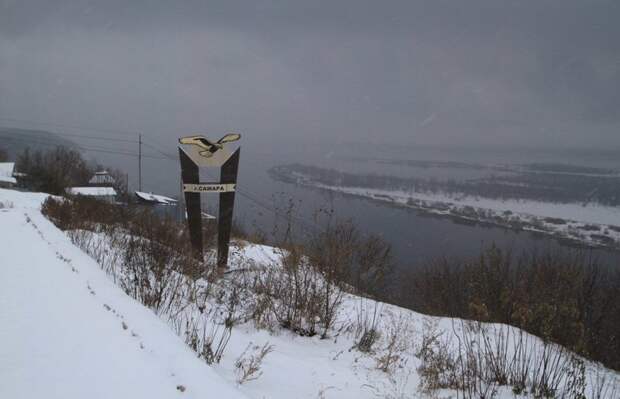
227	202
190	175
140	162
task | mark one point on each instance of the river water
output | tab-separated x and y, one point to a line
416	238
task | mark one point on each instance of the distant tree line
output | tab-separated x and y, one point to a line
562	188
54	170
564	168
547	167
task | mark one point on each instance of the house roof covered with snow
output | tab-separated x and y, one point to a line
92	191
102	177
6	172
155	199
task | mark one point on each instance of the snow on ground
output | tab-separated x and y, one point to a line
6	172
12	198
67	332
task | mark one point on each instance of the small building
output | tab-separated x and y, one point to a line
160	204
7	178
154	199
107	194
100	186
102	179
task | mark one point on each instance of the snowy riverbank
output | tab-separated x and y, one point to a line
591	224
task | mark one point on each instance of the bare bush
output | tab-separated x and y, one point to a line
374	265
575	384
214	343
206	322
332	252
602	385
549	370
396	335
367	330
566	298
396	386
248	365
438	369
487	357
293	294
90	214
474	377
104	248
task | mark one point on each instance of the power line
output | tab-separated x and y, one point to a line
140	162
94	129
81	136
53	144
95	137
165	154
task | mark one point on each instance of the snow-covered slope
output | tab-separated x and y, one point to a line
67	332
17	199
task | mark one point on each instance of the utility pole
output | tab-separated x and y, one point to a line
127	186
140	162
181	204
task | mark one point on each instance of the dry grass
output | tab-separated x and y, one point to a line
248	365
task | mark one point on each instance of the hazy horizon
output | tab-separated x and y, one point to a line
427	73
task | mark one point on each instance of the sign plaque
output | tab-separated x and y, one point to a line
209	188
198	151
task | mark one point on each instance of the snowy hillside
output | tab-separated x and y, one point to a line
67	331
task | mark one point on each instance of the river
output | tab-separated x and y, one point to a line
416	239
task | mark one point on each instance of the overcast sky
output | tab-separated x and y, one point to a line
423	72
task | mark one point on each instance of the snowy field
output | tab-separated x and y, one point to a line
67	331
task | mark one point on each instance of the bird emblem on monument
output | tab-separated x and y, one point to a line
208	147
198	151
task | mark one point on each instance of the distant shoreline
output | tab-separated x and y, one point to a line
572	223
